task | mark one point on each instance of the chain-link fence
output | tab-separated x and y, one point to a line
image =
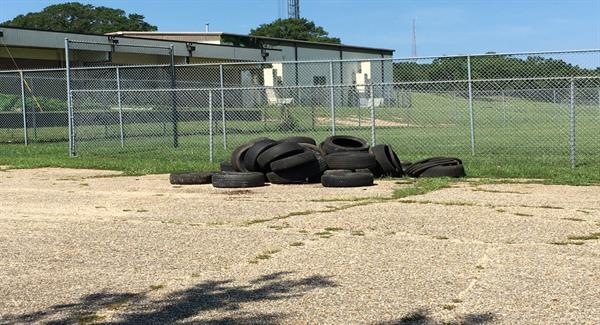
501	107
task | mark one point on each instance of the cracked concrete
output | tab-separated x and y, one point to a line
84	246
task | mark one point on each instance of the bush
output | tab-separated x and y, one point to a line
12	103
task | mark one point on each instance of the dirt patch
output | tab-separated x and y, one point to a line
138	250
354	121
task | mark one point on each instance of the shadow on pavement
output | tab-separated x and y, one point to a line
179	306
421	317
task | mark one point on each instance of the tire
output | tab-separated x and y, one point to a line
347	180
191	178
299	140
310	147
417	168
337	172
237	156
237	180
226	166
320	157
445	171
278	151
351	160
339	143
307	173
364	170
405	164
387	161
253	152
293	161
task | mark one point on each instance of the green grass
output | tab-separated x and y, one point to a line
515	138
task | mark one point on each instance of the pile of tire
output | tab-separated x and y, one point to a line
338	161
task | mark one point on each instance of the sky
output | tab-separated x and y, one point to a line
443	27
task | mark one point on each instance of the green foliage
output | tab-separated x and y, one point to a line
80	18
296	29
487	67
12	103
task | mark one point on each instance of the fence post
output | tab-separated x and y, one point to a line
471	115
223	117
599	103
119	103
503	99
572	139
331	99
210	125
23	108
174	116
70	118
372	115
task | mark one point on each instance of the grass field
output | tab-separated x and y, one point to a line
514	137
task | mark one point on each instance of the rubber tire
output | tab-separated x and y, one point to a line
417	168
339	143
387	161
351	160
337	172
293	161
445	171
279	151
405	164
299	140
238	180
190	178
347	180
318	154
237	156
226	166
307	173
252	154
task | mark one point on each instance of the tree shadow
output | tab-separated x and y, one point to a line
422	317
180	306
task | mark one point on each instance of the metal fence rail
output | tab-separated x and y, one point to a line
518	105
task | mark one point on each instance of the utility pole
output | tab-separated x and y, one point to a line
414	39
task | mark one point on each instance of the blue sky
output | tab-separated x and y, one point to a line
443	27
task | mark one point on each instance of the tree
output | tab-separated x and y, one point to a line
80	18
296	29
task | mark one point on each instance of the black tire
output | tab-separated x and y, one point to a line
445	171
237	180
293	161
387	161
405	164
226	166
253	152
417	168
278	151
337	172
339	143
299	140
307	173
237	156
320	157
364	170
347	180
351	160
190	178
310	147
